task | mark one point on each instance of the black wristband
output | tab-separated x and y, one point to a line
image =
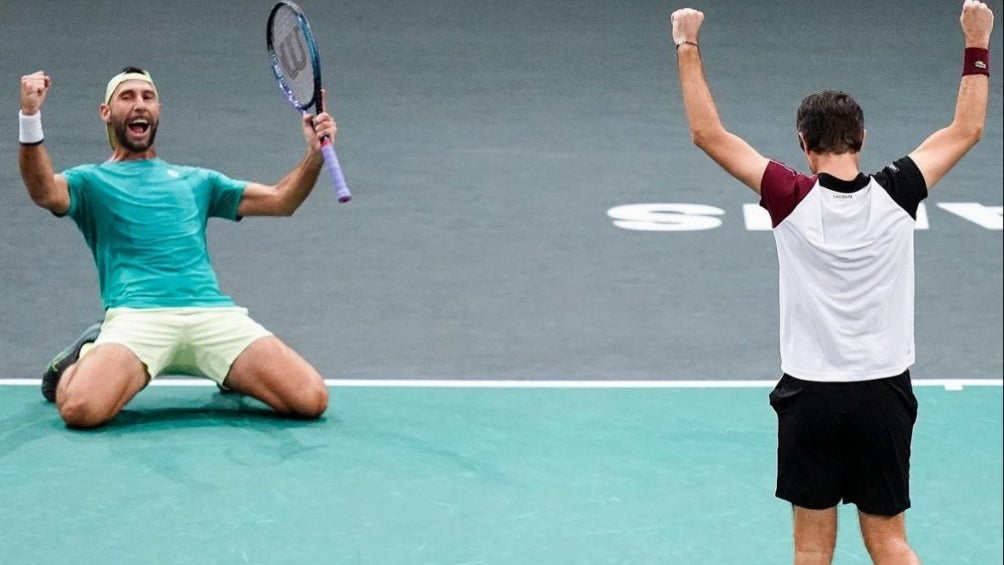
32	144
686	43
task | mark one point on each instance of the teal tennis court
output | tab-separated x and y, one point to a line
499	474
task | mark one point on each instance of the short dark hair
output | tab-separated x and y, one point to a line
831	122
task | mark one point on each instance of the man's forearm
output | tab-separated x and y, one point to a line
974	91
36	172
702	116
296	186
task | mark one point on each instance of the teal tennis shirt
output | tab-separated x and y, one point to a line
145	223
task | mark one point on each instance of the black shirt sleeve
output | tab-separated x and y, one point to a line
905	184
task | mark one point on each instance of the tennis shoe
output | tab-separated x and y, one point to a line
65	358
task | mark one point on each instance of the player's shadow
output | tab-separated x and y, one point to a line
222	410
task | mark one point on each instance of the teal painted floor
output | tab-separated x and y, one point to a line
459	476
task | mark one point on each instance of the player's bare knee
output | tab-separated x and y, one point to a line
311	402
888	548
813	556
819	547
77	412
315	402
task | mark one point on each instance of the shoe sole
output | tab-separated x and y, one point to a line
64	359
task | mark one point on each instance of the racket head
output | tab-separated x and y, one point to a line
293	55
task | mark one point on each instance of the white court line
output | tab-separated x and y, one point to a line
947	384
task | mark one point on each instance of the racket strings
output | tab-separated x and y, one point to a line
293	57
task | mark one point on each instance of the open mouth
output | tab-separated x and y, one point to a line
139	127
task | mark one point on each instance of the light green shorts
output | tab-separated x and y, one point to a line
201	342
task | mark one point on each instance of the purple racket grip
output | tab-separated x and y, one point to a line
335	171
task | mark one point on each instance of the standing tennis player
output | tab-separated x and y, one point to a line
144	221
844	404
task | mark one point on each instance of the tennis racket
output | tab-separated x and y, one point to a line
297	68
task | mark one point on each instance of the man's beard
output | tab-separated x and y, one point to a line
121	130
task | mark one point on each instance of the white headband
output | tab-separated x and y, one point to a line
123	77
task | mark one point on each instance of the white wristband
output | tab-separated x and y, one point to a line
30	130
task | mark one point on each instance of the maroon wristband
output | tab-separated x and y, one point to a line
977	62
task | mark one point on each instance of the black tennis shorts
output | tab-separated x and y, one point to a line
846	442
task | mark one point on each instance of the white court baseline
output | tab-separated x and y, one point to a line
947	384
